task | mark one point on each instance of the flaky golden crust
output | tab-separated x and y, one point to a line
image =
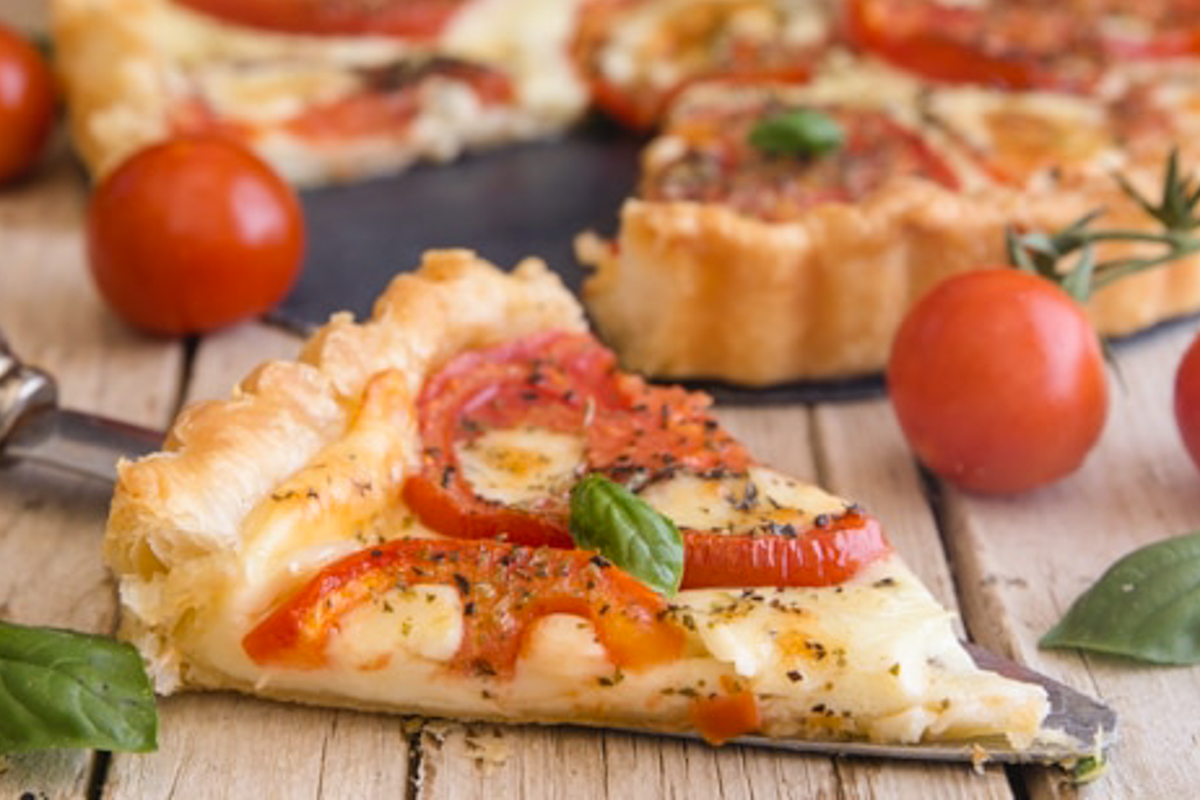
693	290
180	518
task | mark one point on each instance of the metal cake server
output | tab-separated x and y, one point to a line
34	428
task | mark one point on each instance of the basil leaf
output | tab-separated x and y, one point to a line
625	529
1146	606
62	689
802	132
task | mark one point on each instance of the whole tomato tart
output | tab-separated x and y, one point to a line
461	507
781	229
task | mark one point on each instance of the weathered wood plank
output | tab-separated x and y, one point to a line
862	456
226	746
51	524
1022	561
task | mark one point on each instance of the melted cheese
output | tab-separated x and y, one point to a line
521	465
1029	135
741	503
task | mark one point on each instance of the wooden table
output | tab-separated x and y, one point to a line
1010	566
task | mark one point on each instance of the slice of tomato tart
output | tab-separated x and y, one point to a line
324	90
394	522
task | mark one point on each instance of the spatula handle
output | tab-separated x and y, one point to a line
23	390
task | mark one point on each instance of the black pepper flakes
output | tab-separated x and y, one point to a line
794	676
464	585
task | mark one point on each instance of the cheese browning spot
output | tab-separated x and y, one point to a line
522	465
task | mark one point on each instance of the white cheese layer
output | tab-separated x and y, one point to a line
875	658
518	466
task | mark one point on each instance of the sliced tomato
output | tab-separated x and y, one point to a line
388	104
824	555
1018	46
504	589
720	165
410	19
697	42
726	716
565	383
569	383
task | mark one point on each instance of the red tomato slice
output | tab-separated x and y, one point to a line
565	383
569	383
1009	45
726	716
504	588
698	42
822	556
410	19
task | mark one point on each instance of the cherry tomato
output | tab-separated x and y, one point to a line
998	381
27	104
505	587
412	19
193	234
1187	400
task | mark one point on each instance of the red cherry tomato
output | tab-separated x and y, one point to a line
26	104
193	234
1187	400
998	381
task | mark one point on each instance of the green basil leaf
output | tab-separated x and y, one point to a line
802	132
61	689
625	529
1146	606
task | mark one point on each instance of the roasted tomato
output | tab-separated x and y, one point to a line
411	19
1013	45
193	234
1187	400
27	103
631	432
683	45
998	381
504	589
719	164
732	713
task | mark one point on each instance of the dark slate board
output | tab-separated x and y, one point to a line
506	204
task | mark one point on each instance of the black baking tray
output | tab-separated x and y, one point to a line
506	204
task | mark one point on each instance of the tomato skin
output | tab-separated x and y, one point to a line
823	556
193	234
522	585
1187	400
410	19
27	105
726	716
998	381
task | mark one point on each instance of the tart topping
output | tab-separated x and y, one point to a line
775	162
504	589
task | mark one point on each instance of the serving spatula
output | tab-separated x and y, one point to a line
33	427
